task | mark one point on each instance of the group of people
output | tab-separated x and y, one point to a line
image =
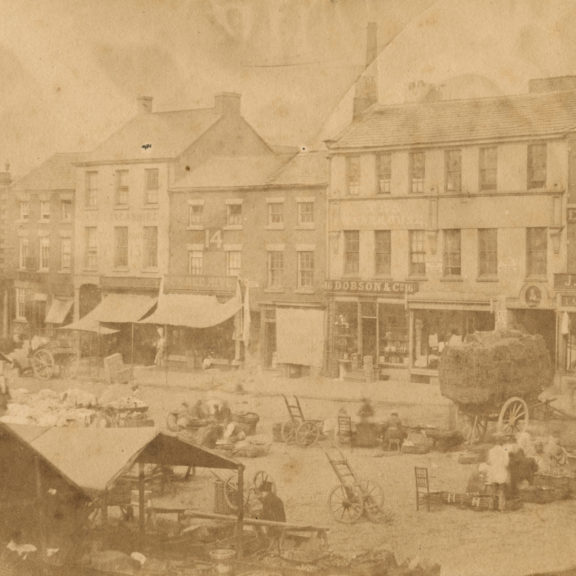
512	461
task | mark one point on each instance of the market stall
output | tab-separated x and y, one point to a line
58	478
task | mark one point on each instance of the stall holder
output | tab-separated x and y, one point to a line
87	463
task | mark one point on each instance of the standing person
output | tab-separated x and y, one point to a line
273	510
498	471
160	357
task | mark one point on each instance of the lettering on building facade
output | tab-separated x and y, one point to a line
372	286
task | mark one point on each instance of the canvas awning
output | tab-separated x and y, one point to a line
114	309
93	459
193	310
59	309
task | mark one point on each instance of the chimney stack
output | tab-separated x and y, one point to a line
367	87
145	104
228	103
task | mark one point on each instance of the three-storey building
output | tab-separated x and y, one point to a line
447	217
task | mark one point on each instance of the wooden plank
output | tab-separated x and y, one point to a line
254	521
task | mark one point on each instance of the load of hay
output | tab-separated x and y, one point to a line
490	367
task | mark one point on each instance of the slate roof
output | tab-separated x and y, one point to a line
305	169
233	171
56	173
517	116
155	135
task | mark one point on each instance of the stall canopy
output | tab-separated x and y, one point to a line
92	459
59	310
114	309
193	310
300	336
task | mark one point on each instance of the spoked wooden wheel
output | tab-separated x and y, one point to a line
307	433
346	504
513	416
43	364
289	431
231	494
372	492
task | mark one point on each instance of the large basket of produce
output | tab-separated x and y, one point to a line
490	367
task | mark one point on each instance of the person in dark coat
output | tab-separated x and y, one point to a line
273	510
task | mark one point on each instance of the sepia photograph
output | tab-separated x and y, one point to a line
288	288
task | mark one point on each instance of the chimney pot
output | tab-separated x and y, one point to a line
145	104
228	103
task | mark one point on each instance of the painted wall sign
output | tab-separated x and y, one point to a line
564	281
372	286
571	215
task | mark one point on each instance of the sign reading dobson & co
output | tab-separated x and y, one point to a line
568	300
372	286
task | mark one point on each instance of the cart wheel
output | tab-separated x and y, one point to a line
259	478
372	492
172	422
307	433
513	416
289	432
231	493
69	367
345	503
42	364
475	427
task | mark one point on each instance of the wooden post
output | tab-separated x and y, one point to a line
165	360
40	507
132	353
104	507
141	499
240	517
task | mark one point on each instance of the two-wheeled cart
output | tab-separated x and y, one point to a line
354	497
55	358
298	429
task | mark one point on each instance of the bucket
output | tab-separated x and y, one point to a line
223	561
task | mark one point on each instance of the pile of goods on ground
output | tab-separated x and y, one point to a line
375	562
71	408
492	366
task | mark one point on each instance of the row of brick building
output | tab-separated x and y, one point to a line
419	223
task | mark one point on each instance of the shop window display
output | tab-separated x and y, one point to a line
436	329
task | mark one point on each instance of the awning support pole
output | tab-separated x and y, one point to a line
132	353
141	499
240	517
40	506
165	359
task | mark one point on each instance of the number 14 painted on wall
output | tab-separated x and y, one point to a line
213	238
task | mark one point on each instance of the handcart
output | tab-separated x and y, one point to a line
51	358
298	429
354	497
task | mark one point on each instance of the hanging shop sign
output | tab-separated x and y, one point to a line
564	281
372	286
568	301
533	296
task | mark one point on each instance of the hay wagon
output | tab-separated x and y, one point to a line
496	377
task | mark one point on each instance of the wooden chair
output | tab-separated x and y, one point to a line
344	433
422	487
116	371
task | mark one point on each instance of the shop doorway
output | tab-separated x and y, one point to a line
269	338
369	338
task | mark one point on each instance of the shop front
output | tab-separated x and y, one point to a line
437	321
565	288
368	325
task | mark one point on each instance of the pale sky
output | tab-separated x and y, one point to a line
72	69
